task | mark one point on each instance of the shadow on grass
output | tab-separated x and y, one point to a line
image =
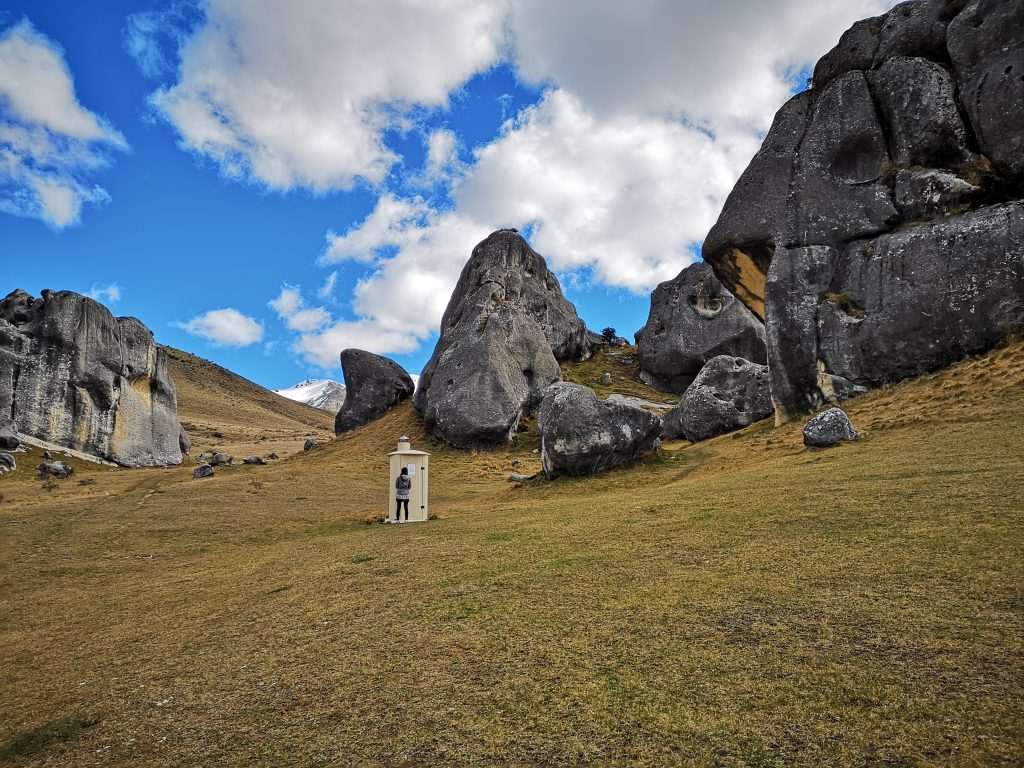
39	739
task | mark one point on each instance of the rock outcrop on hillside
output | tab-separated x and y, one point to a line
878	230
728	394
373	385
73	375
582	435
693	318
505	331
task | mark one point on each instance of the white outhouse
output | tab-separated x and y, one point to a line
417	462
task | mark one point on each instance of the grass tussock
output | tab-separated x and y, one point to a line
744	601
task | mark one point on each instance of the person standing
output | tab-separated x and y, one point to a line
402	487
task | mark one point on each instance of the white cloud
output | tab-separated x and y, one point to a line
226	327
650	112
48	141
291	307
287	302
400	303
105	294
327	289
298	95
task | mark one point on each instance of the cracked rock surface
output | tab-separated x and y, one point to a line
74	375
505	331
878	230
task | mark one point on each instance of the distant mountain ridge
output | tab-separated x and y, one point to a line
325	394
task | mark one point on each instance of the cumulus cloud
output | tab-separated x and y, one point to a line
105	294
298	95
291	307
416	254
650	111
49	142
225	327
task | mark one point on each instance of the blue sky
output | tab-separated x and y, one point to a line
216	164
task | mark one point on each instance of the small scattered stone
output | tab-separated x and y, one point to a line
7	463
829	428
515	477
203	470
310	444
516	463
253	460
55	469
47	455
606	378
219	459
271	455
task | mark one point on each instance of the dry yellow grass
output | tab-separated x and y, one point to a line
745	601
221	411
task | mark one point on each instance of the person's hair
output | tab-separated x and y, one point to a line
405	471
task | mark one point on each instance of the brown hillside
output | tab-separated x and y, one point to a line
745	601
221	411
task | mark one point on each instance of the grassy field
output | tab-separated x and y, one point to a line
745	601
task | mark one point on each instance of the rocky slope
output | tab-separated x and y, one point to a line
72	375
879	231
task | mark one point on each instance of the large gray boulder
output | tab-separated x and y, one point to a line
582	435
869	232
829	428
986	45
373	385
922	298
728	394
74	375
693	319
505	331
891	307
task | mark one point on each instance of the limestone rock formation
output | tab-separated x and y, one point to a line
74	375
728	394
55	469
9	440
505	331
877	231
829	428
582	435
373	385
693	318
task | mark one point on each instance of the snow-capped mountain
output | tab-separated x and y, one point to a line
325	394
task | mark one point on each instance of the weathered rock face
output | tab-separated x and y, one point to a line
875	174
694	318
373	385
506	328
74	375
728	394
9	439
986	45
582	435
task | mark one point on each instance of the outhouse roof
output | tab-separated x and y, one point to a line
409	452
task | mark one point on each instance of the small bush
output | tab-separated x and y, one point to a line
609	334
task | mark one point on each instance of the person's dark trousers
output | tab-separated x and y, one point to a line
398	509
